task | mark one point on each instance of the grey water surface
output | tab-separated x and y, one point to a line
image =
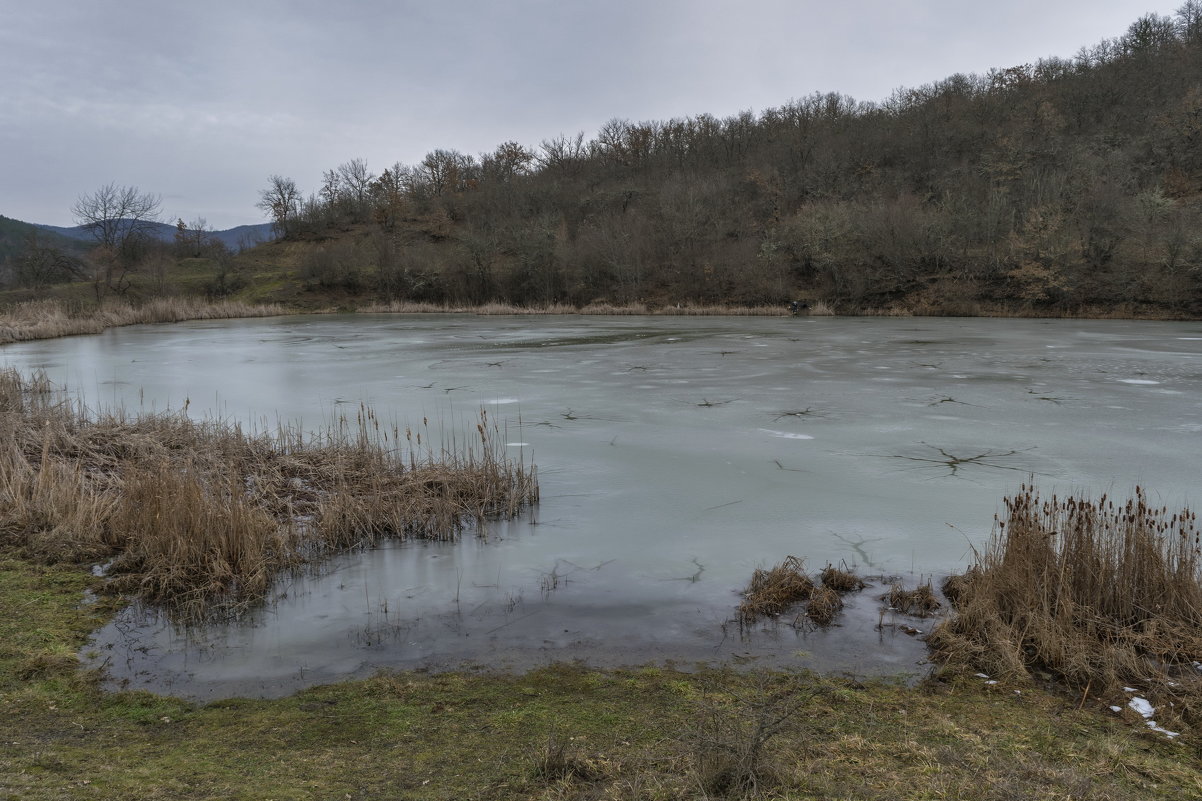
675	455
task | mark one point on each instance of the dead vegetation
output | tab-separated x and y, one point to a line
840	580
729	744
201	516
918	602
1098	594
561	760
49	319
823	605
771	592
594	308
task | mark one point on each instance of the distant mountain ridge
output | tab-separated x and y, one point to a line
14	233
237	238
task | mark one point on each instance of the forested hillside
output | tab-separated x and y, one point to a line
34	257
1054	187
1067	186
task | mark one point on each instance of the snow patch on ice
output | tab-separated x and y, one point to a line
1141	381
785	434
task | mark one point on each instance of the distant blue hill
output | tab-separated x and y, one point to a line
243	236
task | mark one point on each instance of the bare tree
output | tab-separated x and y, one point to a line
564	154
356	180
505	163
121	219
388	197
42	264
118	216
1189	20
195	238
281	201
445	171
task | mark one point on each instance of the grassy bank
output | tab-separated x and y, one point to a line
202	516
557	733
48	319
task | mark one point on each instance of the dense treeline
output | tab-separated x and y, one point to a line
1061	185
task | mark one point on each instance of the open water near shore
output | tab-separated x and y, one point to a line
675	456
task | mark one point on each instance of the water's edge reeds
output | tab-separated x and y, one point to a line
50	319
1098	596
592	309
201	516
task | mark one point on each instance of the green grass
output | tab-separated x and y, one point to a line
634	734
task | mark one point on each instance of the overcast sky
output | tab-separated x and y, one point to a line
201	102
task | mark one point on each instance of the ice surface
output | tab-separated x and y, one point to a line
669	471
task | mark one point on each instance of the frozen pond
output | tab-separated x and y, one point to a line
675	455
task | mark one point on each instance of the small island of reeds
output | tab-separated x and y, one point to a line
201	516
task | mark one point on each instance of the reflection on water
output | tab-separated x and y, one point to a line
676	455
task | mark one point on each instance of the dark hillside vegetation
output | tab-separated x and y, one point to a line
1064	186
32	256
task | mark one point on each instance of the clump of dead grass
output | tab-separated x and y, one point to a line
771	592
823	605
840	580
918	602
956	586
1100	594
201	516
560	760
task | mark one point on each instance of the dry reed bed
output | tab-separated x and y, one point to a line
629	309
1099	594
48	319
201	516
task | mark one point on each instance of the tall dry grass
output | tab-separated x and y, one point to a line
1100	594
201	516
48	319
600	308
419	307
